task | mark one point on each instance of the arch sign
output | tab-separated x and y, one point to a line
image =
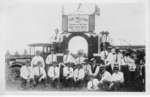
78	23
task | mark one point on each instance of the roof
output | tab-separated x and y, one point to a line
40	45
131	46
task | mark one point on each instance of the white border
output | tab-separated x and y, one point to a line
2	71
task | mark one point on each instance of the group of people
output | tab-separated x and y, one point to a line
77	72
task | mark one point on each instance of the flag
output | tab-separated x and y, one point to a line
97	10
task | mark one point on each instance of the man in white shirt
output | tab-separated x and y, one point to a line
105	80
119	59
65	74
25	74
117	78
111	59
68	58
104	55
51	58
69	77
54	74
79	75
37	58
38	73
80	59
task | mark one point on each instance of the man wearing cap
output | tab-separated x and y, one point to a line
25	74
51	58
117	78
105	78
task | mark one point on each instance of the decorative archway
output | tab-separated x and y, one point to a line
91	40
78	44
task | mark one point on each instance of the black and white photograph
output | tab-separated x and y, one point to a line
74	46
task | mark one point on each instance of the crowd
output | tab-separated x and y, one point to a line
79	72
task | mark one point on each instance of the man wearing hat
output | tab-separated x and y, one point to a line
93	68
117	78
105	78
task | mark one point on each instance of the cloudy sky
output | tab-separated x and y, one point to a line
27	21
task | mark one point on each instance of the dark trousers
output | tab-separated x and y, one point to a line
68	82
36	81
79	83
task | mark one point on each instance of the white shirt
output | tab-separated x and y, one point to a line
131	63
118	77
80	60
51	72
65	71
25	72
79	74
70	72
86	68
39	71
69	59
120	59
54	72
103	55
111	59
51	58
93	84
37	59
106	76
57	72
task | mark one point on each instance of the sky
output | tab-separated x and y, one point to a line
27	21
